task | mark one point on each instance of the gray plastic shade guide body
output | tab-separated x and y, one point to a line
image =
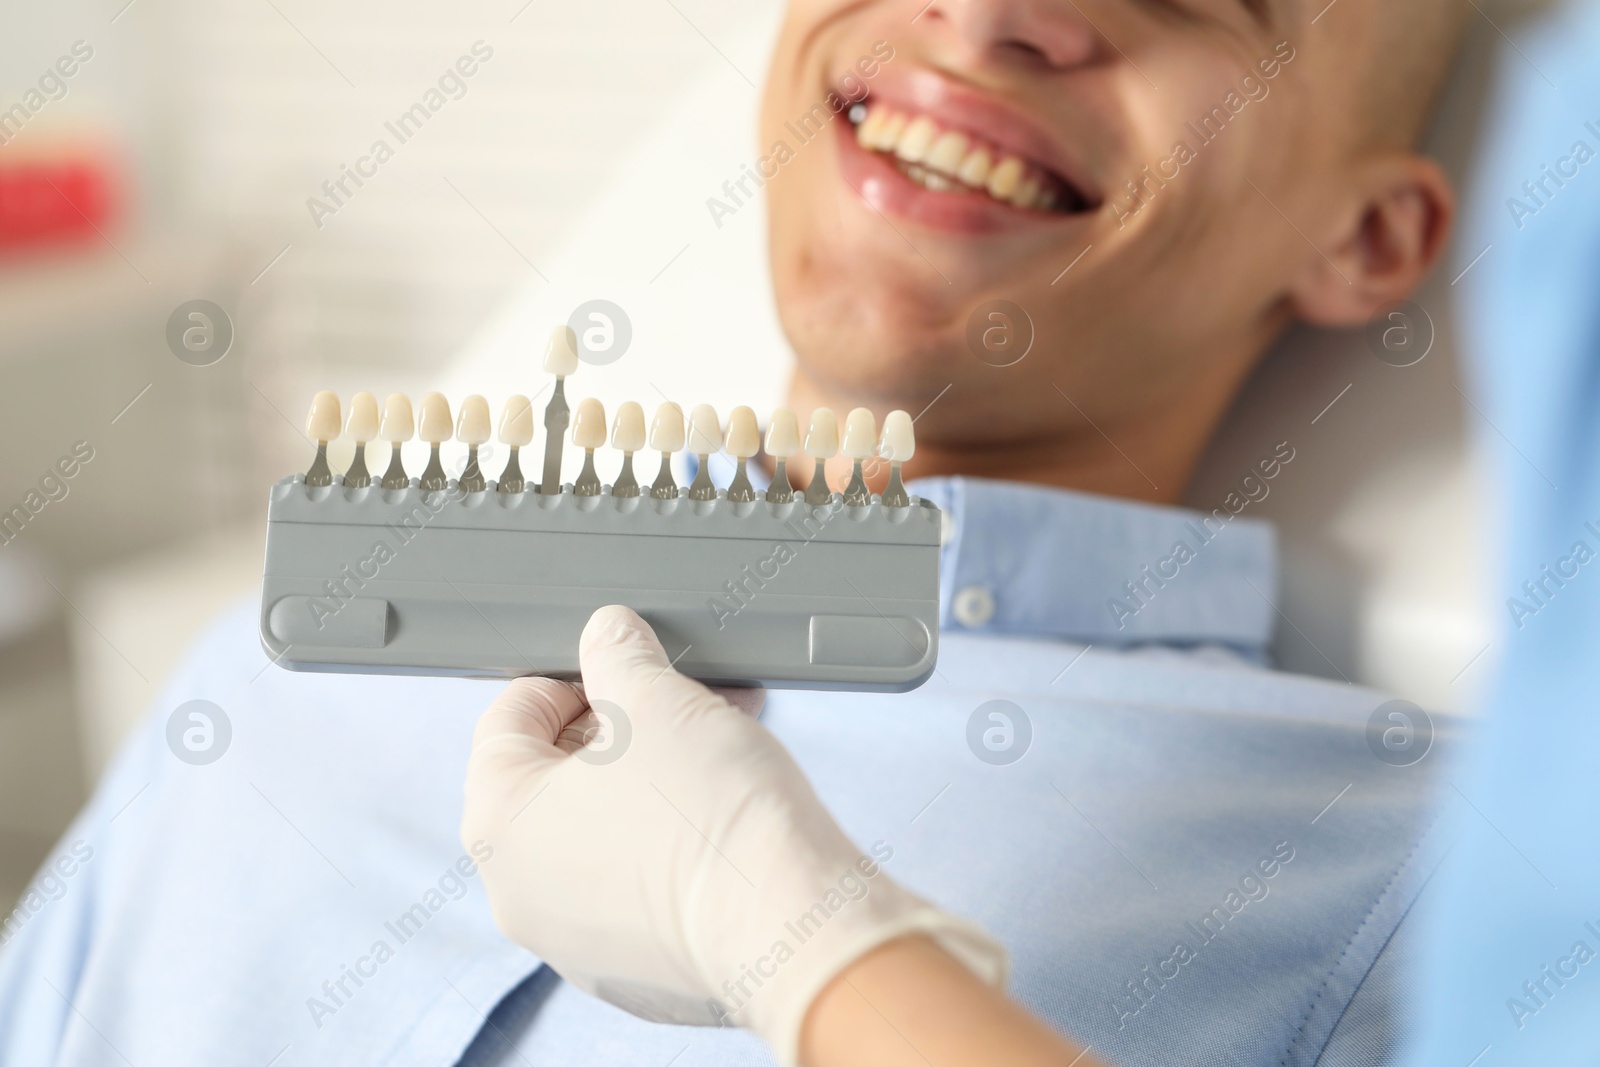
490	584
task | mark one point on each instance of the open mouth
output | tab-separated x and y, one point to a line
960	162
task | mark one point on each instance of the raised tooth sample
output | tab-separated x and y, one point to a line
899	442
472	430
1005	178
860	442
588	433
361	426
561	360
783	442
705	437
822	444
516	433
666	437
974	169
742	441
397	427
947	153
322	426
916	140
435	428
627	437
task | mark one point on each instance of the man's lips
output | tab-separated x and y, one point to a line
947	160
928	120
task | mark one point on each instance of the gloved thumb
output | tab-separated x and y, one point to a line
624	666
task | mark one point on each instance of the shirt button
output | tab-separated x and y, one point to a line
973	605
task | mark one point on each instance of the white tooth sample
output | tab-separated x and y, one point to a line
322	426
1005	178
822	444
1027	193
860	441
783	434
743	439
589	424
588	433
899	440
889	133
322	421
705	431
783	441
867	130
897	446
435	425
561	352
822	438
398	423
666	429
473	423
947	153
516	422
974	169
666	437
516	432
916	140
361	424
627	433
860	435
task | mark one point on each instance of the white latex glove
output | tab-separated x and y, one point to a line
678	865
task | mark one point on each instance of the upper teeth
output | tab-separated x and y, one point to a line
932	157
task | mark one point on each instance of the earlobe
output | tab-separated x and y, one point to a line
1395	233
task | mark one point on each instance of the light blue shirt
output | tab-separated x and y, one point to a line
1192	859
1513	971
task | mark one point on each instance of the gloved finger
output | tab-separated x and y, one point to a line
624	665
516	736
748	700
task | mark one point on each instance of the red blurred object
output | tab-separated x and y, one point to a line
46	201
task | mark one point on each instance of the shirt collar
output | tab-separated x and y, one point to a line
1028	560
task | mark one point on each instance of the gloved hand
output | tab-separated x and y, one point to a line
674	861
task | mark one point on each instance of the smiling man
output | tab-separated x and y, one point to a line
1190	858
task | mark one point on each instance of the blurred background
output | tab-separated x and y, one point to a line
176	161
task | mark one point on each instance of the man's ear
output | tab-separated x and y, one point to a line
1397	224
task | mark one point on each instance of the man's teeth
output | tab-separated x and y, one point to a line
950	161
